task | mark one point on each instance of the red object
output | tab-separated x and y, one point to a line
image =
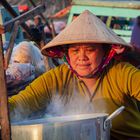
61	13
23	8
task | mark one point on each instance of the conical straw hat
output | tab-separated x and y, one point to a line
86	28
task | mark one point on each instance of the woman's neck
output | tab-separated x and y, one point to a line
89	82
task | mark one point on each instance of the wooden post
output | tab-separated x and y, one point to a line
4	115
11	44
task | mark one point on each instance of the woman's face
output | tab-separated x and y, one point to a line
85	58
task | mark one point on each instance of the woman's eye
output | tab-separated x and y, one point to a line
90	50
75	51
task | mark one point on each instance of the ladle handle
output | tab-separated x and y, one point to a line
113	115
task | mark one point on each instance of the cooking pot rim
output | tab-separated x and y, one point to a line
61	119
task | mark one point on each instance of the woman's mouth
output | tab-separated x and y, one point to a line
83	66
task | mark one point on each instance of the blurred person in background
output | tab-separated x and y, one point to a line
135	37
26	64
135	41
58	27
93	72
36	28
38	23
30	24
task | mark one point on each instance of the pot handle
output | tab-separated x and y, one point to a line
112	116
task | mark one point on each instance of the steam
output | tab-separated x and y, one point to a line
64	105
77	104
19	114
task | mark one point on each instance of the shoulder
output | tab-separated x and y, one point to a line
123	70
119	66
58	71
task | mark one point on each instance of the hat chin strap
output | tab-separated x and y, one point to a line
100	67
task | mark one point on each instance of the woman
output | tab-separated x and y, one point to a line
92	73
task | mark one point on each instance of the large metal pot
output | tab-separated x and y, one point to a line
75	127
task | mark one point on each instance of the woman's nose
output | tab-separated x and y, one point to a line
82	55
